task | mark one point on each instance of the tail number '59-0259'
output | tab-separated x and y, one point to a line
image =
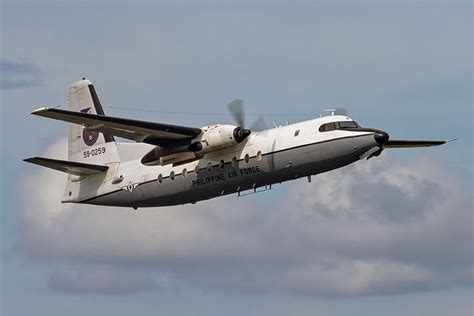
94	152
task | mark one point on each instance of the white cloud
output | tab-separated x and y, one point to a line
103	279
358	277
377	227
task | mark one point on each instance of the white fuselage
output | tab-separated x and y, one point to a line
264	158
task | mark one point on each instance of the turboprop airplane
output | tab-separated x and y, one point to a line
170	164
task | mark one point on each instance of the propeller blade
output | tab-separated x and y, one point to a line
259	124
236	108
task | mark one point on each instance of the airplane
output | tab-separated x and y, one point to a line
169	165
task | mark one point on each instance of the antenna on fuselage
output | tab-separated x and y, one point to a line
337	111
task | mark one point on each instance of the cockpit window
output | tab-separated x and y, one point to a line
327	127
348	124
338	125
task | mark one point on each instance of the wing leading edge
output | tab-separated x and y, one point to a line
140	131
414	143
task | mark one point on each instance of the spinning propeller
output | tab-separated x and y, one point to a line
236	108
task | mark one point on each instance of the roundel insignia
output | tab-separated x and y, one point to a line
89	136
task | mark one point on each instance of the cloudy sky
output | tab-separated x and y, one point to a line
388	236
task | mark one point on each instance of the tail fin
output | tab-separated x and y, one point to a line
88	145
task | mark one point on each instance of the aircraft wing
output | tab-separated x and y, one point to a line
140	131
414	143
71	167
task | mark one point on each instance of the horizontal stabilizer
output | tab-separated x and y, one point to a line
414	143
71	167
140	131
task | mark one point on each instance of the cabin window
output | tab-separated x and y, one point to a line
209	166
259	156
185	173
297	132
235	163
172	175
221	164
160	178
247	158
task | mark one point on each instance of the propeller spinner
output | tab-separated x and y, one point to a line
236	108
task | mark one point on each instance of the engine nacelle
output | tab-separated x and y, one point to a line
215	137
212	138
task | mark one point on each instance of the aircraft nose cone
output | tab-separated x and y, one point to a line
381	137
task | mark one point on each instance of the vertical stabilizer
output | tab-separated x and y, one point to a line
86	144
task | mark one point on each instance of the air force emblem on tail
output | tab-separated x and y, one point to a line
89	136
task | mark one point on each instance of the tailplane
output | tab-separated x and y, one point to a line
70	167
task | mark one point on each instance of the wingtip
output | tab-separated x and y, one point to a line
451	140
29	159
40	110
44	109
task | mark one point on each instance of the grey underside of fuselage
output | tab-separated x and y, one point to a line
275	167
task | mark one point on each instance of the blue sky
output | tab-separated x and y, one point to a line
399	240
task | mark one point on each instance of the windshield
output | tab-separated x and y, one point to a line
347	124
338	125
